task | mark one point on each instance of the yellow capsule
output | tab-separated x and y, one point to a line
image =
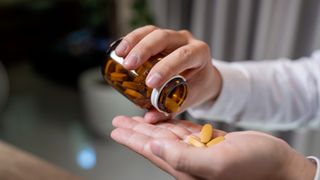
119	68
171	105
176	96
193	140
133	93
117	76
206	133
108	67
149	92
215	141
131	85
141	70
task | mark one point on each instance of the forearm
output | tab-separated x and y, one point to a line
280	92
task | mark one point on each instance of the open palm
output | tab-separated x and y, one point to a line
137	135
242	155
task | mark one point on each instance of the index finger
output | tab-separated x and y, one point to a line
154	43
131	39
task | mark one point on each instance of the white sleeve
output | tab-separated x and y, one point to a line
279	94
317	162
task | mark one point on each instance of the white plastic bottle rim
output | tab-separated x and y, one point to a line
156	93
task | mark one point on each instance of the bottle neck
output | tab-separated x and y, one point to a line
162	99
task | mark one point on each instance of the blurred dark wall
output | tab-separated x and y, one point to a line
48	37
24	29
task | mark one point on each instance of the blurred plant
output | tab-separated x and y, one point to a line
141	14
98	11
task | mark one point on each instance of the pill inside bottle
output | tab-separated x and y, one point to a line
131	83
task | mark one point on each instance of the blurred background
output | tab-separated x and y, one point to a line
54	104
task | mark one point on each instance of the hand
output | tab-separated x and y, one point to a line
242	155
137	135
185	55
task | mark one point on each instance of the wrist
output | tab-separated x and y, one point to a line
299	167
215	86
217	83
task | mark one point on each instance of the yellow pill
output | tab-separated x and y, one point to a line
215	141
131	85
193	140
119	68
108	67
149	92
172	105
176	97
206	133
133	93
141	70
139	79
117	76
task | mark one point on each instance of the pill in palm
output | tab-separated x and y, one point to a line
215	141
195	141
205	138
206	133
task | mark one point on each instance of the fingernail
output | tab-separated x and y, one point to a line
122	47
153	80
131	61
156	148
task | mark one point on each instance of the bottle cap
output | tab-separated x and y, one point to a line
156	93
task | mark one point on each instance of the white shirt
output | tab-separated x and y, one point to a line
280	94
277	95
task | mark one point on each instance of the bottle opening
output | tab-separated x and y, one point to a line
170	97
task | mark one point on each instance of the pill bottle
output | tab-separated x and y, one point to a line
131	83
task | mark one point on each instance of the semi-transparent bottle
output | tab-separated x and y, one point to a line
131	83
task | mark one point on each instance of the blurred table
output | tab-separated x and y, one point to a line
19	165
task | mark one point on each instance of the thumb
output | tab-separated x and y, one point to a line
179	155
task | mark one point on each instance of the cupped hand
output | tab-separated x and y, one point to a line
185	55
138	135
242	155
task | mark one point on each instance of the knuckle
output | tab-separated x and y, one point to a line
134	36
165	34
152	27
131	38
161	33
204	49
202	45
186	33
184	53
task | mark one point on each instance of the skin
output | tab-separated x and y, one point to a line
242	155
185	55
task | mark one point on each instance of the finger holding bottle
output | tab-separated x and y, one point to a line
184	55
141	44
132	39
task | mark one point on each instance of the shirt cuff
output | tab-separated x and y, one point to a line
317	162
233	96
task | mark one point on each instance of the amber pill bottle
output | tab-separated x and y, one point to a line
131	83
